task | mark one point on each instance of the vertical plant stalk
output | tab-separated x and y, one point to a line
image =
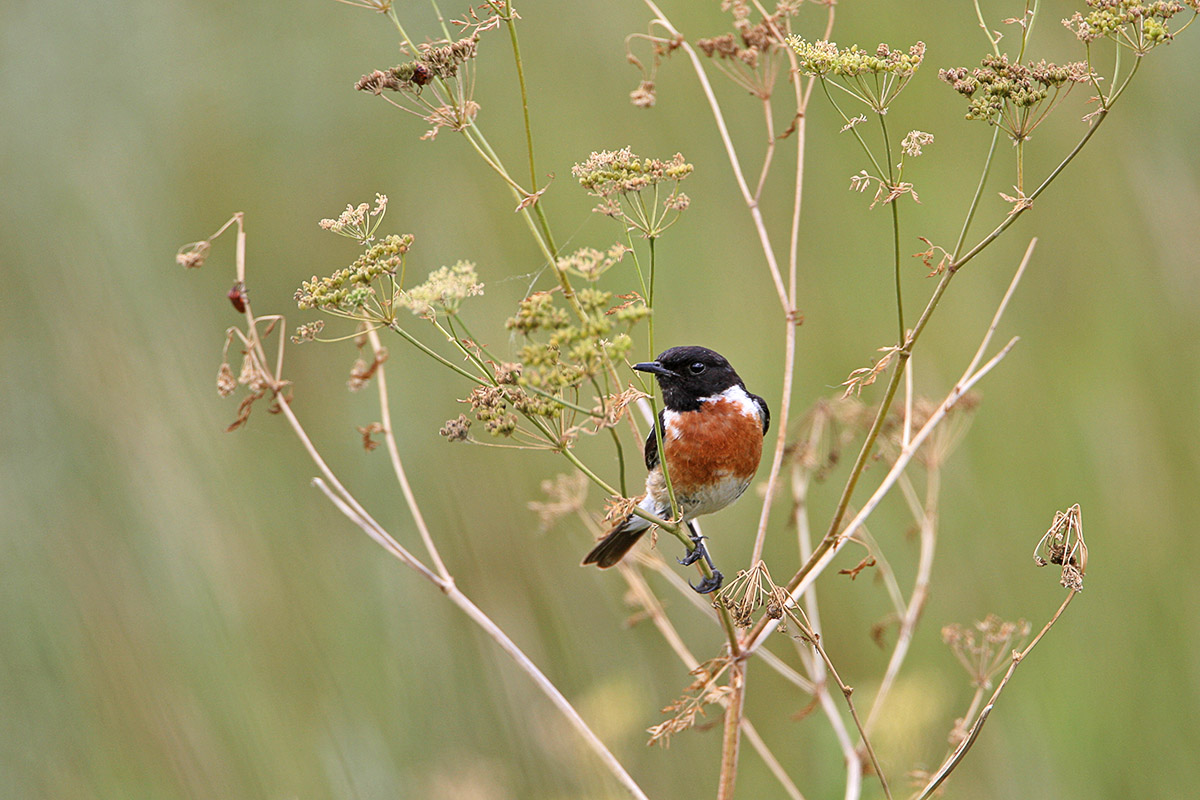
895	204
731	737
846	692
815	666
791	313
920	593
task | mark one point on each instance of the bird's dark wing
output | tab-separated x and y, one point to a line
764	411
651	449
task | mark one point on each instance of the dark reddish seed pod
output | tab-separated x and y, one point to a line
237	296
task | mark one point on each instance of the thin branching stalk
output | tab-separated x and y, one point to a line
832	537
730	151
911	614
803	92
815	666
955	758
847	692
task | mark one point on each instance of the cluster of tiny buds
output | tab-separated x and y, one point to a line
825	58
1115	18
349	289
612	172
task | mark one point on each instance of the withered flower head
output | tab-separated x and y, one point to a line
1064	546
985	648
193	255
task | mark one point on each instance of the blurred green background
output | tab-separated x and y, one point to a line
181	616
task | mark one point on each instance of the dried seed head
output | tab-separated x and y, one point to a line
644	96
192	256
225	380
369	431
457	429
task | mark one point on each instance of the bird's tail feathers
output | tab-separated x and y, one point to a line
613	547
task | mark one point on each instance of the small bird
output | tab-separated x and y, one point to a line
712	434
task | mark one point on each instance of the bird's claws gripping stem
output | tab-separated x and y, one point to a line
699	551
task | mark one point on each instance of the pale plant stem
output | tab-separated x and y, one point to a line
783	416
1012	287
369	526
719	116
815	666
920	593
953	760
769	124
831	547
389	438
846	692
732	734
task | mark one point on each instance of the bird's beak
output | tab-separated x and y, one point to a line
654	367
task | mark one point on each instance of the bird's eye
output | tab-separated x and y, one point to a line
696	368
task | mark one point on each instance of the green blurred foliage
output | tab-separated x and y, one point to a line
181	616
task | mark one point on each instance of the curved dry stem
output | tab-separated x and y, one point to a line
389	438
955	758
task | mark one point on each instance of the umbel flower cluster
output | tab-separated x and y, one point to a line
562	353
348	291
1139	26
874	78
618	178
611	172
1011	94
824	58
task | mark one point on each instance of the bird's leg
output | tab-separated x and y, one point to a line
699	551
